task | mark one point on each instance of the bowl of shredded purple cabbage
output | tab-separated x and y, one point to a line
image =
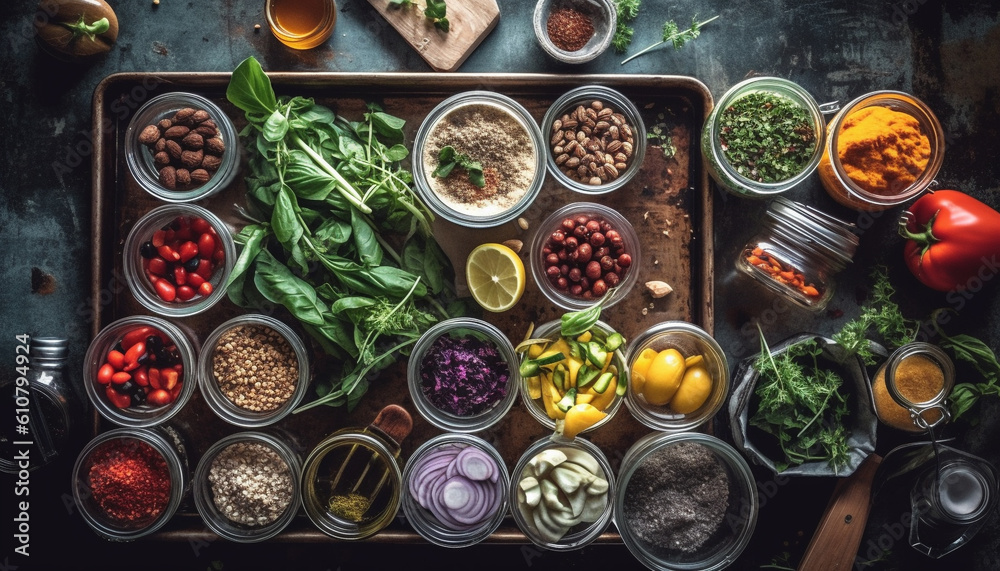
462	375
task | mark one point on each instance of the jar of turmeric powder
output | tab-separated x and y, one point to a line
910	390
882	149
798	252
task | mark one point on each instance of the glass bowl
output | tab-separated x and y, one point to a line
164	393
111	465
349	459
182	228
246	486
254	402
558	471
603	17
219	170
666	481
495	131
546	243
844	189
478	476
690	341
463	343
724	173
621	141
533	398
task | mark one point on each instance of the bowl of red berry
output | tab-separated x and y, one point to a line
136	371
177	259
585	253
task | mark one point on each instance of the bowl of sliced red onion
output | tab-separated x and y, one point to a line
455	490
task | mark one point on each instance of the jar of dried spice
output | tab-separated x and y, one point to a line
462	375
882	149
246	486
685	501
253	370
910	388
478	159
129	482
764	137
798	252
574	31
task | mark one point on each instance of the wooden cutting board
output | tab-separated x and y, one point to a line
470	21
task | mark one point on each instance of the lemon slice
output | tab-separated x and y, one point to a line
495	276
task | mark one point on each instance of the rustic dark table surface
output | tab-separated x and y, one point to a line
945	53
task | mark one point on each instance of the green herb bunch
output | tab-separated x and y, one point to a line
449	159
675	36
802	405
342	241
436	11
627	11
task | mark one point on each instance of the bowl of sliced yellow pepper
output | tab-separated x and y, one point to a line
573	383
679	376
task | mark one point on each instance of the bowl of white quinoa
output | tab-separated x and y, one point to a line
479	159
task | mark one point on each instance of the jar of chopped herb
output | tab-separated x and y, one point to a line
128	482
462	375
798	252
764	137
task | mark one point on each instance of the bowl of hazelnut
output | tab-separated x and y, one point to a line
181	147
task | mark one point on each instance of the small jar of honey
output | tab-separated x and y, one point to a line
910	389
301	24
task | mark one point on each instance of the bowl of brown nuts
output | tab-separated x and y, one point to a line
596	139
181	147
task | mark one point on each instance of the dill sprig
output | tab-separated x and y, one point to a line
675	36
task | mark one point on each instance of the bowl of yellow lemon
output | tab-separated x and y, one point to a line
679	376
573	381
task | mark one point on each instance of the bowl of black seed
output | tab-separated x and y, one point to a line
685	501
253	370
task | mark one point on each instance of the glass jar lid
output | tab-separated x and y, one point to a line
814	230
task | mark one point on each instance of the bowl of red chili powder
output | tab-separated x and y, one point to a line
129	482
575	31
462	375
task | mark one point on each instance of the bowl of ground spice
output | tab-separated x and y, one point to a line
246	486
462	375
253	370
478	159
597	139
575	31
129	482
685	501
763	137
882	149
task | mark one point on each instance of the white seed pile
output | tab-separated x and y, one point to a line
251	483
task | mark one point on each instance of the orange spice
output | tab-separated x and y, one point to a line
882	150
782	272
918	379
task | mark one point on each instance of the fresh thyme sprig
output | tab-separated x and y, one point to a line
674	35
627	10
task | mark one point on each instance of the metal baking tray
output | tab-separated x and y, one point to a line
669	203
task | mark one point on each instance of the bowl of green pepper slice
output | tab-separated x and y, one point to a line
764	137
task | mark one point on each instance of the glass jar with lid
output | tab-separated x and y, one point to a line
910	389
798	252
882	149
740	159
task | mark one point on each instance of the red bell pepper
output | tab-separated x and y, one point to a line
953	240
